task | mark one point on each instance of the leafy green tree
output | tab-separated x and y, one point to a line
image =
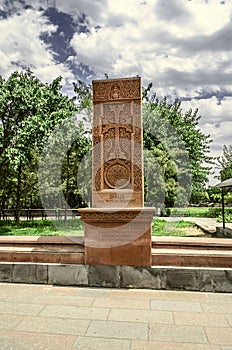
184	147
225	163
29	112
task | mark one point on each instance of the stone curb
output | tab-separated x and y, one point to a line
154	277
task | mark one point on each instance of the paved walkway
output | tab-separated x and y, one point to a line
49	317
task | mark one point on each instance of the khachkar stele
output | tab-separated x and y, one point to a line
117	228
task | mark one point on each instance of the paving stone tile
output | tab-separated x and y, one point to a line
94	292
221	335
88	313
53	299
157	294
176	305
34	341
133	293
144	345
126	303
185	334
53	325
145	316
9	322
229	319
118	330
177	295
20	292
220	297
20	309
200	319
92	343
217	307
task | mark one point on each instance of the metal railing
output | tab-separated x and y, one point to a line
31	214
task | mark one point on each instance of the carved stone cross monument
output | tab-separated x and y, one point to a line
117	140
117	228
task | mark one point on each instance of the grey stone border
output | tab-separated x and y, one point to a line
154	277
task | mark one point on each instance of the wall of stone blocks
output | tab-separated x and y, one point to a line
155	277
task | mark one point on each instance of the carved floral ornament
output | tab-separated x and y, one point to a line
137	216
117	174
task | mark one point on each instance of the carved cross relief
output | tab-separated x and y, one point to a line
117	137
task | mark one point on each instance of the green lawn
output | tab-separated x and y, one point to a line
164	228
203	212
74	227
42	228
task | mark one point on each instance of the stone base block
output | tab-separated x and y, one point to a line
223	232
29	273
68	275
121	237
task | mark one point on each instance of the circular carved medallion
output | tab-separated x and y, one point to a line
117	175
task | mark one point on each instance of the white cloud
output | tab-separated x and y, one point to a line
216	120
155	41
22	47
93	9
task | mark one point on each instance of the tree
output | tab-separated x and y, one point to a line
29	112
184	147
225	163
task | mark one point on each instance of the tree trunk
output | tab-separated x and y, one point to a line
18	194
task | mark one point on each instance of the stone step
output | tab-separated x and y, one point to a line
166	251
191	257
25	254
49	240
43	249
191	243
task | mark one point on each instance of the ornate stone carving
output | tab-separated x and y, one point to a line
117	174
113	90
124	215
117	162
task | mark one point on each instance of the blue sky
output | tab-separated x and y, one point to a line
184	47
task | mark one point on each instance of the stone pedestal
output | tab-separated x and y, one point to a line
120	237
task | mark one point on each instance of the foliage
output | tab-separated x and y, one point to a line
214	195
181	148
225	163
202	212
29	112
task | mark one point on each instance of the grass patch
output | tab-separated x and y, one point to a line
202	212
73	227
164	228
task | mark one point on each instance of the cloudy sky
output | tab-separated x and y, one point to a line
184	47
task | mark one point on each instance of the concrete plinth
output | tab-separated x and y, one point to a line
117	236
